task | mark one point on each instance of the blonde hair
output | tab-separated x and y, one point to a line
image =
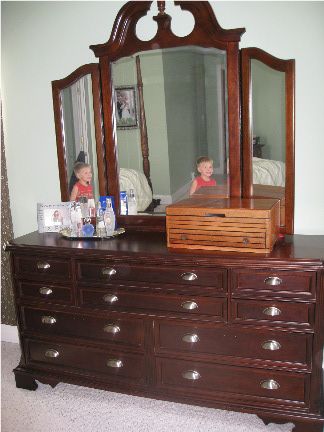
203	159
78	166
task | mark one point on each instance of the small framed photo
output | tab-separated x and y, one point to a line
53	217
126	107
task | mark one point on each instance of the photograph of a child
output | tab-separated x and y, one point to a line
57	218
126	112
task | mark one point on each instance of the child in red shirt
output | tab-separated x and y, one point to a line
83	187
205	169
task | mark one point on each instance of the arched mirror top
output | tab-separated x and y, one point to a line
124	41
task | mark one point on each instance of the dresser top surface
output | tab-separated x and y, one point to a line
299	248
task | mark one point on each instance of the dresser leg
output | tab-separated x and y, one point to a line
24	380
267	420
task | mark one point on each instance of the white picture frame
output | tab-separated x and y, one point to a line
53	217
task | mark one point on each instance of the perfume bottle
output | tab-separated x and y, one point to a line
109	218
88	229
100	223
132	204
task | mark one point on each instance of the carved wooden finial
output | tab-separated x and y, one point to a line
161	7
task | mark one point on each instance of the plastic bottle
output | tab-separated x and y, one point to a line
132	204
100	223
109	218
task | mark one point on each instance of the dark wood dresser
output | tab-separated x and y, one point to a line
235	331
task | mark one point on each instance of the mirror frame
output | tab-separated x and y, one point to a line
124	42
57	87
288	67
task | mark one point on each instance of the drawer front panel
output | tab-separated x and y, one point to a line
108	364
235	342
189	305
111	329
44	292
272	282
199	237
206	379
42	268
273	312
108	272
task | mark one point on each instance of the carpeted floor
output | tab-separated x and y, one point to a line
70	408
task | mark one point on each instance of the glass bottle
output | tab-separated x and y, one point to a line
100	223
132	203
109	218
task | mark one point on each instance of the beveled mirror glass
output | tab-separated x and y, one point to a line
184	107
268	130
79	134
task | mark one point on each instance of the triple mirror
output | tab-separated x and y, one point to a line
158	105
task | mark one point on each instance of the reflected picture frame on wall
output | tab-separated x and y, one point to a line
126	107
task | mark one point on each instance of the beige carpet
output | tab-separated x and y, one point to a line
72	408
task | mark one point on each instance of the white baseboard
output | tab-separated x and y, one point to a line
9	333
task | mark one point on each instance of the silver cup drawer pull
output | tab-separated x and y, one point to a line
45	291
189	276
108	271
189	305
43	265
273	281
112	328
190	338
114	363
51	353
271	345
110	298
46	319
191	375
271	311
270	384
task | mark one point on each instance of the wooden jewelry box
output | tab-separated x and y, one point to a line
227	224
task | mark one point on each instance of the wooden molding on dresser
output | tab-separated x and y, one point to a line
227	330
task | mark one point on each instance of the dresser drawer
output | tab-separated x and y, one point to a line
273	313
116	329
265	283
44	292
241	343
189	305
109	272
109	364
42	268
219	382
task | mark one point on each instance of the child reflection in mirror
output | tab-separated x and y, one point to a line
204	166
82	187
